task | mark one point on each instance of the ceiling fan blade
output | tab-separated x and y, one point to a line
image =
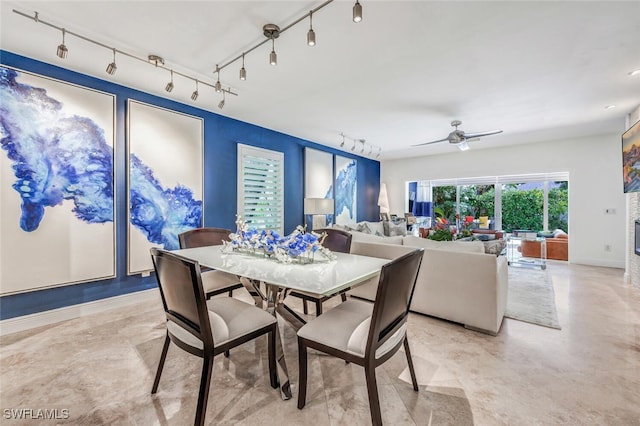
429	143
480	134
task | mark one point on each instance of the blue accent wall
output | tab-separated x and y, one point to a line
222	134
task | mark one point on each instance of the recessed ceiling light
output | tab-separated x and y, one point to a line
609	107
634	72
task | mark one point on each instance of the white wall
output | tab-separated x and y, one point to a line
595	183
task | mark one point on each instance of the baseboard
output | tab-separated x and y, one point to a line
598	262
27	322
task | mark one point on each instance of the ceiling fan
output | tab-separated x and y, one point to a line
459	138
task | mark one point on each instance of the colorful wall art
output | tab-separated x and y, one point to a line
56	183
318	177
631	158
345	189
165	180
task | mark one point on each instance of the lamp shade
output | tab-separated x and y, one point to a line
318	206
383	199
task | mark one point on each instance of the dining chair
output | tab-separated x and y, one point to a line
214	282
205	328
363	333
338	241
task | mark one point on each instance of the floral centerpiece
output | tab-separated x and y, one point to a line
298	247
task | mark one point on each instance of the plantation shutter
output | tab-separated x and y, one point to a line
261	187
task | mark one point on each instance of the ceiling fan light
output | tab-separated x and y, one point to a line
463	146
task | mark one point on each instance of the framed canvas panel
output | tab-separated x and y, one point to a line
165	182
345	189
56	183
631	158
318	180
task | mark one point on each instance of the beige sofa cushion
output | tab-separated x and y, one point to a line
456	246
368	238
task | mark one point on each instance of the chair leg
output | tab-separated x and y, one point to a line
410	362
203	394
302	372
271	349
163	356
343	296
226	354
305	309
318	307
230	293
374	400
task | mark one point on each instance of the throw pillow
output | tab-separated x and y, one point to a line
374	228
396	229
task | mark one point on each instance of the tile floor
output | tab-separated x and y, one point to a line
100	368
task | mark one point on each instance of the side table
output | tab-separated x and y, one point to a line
514	255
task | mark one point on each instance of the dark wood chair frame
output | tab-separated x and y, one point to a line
390	311
338	241
185	304
208	236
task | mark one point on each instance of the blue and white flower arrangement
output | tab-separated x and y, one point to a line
298	247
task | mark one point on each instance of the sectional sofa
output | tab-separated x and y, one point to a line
457	281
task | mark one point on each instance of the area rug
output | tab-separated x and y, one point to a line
531	297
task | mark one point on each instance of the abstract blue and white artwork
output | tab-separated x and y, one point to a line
165	180
56	183
318	178
346	185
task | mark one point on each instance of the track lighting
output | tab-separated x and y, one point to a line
194	95
311	35
62	49
272	31
154	60
111	68
221	104
218	86
273	57
243	72
364	144
357	12
169	86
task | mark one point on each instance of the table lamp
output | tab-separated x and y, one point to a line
319	208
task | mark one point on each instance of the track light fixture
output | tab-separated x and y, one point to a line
111	68
243	72
221	103
169	86
195	94
272	32
62	51
218	86
273	57
311	35
154	60
363	147
357	12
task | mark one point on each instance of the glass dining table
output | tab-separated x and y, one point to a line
269	282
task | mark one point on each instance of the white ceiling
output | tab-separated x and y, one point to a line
537	70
